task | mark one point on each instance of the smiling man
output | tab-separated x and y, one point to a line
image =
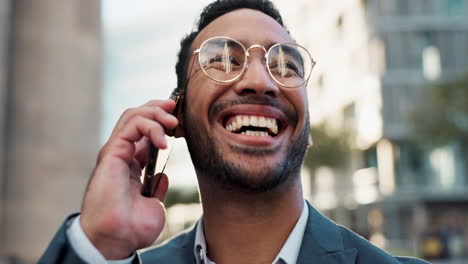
244	117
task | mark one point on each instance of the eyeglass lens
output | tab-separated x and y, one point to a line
224	60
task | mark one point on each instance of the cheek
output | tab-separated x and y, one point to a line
199	97
298	100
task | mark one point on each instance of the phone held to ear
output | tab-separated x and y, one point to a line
157	159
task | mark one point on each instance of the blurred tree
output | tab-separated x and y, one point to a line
443	118
181	195
330	148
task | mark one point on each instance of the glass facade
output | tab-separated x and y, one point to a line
444	8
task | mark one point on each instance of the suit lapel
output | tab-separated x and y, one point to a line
176	251
187	246
322	242
185	252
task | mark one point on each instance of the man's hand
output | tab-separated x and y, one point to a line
115	216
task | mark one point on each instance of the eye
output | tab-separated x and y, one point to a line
291	66
223	62
285	69
220	59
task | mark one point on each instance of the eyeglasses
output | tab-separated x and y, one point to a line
224	60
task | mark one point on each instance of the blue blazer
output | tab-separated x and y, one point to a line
324	242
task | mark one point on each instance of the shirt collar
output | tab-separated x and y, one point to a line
199	248
288	253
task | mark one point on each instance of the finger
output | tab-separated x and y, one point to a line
122	144
139	127
167	105
162	187
155	113
141	152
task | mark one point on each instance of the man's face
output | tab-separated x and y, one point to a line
251	163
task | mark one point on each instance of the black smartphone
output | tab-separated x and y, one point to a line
151	177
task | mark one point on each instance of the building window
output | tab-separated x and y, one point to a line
431	63
339	22
451	8
370	157
410	166
402	8
349	118
387	7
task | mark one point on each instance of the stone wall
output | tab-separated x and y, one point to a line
52	118
4	31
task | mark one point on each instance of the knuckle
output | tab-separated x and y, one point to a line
155	128
155	102
157	110
101	153
138	119
127	111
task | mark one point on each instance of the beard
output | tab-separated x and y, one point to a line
232	174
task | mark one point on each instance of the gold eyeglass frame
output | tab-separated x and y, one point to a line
247	54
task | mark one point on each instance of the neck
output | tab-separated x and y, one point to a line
249	228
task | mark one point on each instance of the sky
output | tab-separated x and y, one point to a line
141	40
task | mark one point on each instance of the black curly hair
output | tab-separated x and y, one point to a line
210	13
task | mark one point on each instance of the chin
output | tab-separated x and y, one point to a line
245	163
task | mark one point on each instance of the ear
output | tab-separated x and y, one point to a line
179	114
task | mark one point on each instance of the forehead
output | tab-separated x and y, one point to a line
247	26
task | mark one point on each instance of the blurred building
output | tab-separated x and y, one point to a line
49	118
374	60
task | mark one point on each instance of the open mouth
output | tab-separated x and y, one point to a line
253	125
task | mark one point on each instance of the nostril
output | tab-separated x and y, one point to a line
270	93
247	91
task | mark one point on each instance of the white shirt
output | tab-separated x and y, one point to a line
87	252
287	255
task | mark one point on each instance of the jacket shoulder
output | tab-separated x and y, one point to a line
410	260
60	249
369	253
178	249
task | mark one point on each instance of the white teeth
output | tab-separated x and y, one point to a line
262	122
236	123
256	133
254	120
245	120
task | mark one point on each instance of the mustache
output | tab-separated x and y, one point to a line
254	100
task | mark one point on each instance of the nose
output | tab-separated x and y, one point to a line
256	80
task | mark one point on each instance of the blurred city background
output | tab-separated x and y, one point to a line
388	103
